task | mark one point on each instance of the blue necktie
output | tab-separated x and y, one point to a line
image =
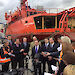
36	49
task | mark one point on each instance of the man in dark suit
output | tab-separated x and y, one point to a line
36	50
18	52
25	45
11	43
52	48
44	49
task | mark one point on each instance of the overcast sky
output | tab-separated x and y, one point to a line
6	5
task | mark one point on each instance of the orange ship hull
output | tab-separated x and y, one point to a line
29	22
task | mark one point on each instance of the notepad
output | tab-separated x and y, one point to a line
47	73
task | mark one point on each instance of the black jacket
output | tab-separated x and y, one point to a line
34	52
11	45
26	48
54	48
44	48
17	53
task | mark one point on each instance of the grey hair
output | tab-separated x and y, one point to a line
65	39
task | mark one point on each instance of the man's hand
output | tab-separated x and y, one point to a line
45	55
21	50
25	53
42	53
50	58
48	53
11	51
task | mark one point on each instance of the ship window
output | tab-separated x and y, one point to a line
26	21
31	13
35	12
49	22
38	22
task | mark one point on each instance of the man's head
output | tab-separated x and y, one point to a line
59	39
25	39
73	45
6	43
36	43
17	41
9	37
46	40
51	40
34	38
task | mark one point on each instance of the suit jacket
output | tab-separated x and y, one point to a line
11	45
44	48
34	51
16	51
54	48
26	48
32	44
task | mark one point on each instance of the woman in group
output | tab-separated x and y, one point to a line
5	56
69	60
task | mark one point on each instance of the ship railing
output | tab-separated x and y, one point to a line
52	10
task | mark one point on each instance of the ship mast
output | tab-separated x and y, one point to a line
23	8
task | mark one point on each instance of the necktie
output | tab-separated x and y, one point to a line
46	45
25	44
17	45
51	45
36	49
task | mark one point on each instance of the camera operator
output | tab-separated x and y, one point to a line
36	50
25	45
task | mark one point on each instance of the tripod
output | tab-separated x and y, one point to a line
27	58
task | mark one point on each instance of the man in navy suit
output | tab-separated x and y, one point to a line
36	50
25	45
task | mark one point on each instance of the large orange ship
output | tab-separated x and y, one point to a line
26	22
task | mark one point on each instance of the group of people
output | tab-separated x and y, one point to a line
50	52
16	51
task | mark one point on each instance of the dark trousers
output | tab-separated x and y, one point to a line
44	60
52	62
15	62
61	67
5	67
